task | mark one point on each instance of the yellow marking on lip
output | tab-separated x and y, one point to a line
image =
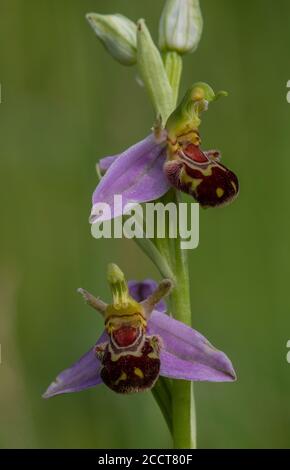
207	171
123	376
138	372
185	178
153	355
116	356
220	192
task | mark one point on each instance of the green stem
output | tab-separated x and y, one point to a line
183	404
173	67
182	398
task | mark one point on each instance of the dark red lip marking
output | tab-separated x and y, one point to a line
194	153
125	336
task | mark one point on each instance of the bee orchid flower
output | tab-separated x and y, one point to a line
140	343
168	157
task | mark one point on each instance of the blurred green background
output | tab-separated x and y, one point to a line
65	103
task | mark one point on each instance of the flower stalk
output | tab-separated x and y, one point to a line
183	404
182	396
173	67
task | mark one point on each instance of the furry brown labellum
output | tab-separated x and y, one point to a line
201	175
131	368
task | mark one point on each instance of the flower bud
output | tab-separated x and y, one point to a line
118	35
180	26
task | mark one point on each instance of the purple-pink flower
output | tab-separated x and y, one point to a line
129	361
171	157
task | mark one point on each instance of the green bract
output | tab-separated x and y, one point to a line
153	73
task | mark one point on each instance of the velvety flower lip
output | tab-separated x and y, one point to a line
185	353
136	174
